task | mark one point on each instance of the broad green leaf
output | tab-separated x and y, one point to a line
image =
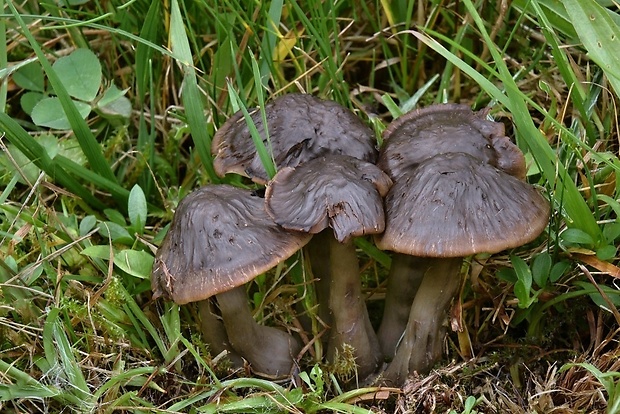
99	252
89	144
7	71
612	294
611	231
110	95
577	236
607	252
49	112
29	100
135	262
80	74
115	216
30	77
119	108
191	95
116	233
19	165
136	208
37	154
87	224
508	274
523	286
600	36
541	267
558	270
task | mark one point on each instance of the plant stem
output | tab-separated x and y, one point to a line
421	343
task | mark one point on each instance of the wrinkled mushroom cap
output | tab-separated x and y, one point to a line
445	128
336	191
454	205
300	127
220	237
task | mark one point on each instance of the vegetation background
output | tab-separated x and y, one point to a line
107	109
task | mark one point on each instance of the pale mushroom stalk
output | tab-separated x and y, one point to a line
406	273
421	343
268	350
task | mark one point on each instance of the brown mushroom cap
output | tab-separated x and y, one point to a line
220	237
334	190
444	128
300	127
454	205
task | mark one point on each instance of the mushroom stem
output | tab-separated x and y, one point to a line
405	276
318	249
350	322
420	346
270	351
214	334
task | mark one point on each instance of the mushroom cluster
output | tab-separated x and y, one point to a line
458	190
446	184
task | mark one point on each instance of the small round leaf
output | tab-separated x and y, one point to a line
49	113
80	74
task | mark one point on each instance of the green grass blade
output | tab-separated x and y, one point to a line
578	94
66	22
85	137
191	95
20	376
269	163
142	319
144	82
269	40
59	355
481	79
575	209
124	377
35	152
264	154
554	13
3	61
600	36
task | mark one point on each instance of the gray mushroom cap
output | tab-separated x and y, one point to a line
445	128
331	191
454	205
220	238
300	127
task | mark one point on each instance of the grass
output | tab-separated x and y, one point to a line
82	210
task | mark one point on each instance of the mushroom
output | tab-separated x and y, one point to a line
410	140
299	128
221	238
343	193
445	128
451	206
